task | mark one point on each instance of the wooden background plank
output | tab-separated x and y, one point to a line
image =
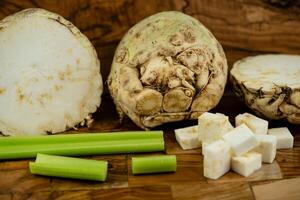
244	27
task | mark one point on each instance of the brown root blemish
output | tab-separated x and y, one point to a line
109	82
126	81
2	91
20	94
188	34
68	72
41	101
221	65
176	40
50	78
46	96
59	20
21	97
165	52
189	37
137	35
122	55
58	87
130	32
152	79
61	76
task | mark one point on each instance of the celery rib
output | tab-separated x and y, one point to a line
67	167
137	144
154	164
80	137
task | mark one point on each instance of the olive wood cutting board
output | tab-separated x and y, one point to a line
272	181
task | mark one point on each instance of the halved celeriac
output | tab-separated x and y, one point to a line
50	75
269	85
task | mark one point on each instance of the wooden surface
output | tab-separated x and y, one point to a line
244	27
282	176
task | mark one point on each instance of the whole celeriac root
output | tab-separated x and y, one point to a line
168	67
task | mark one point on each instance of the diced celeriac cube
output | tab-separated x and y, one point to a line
246	164
241	139
204	144
211	126
216	159
188	137
285	139
266	147
256	124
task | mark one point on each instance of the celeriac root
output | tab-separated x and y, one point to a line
168	67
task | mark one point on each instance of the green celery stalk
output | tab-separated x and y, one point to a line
82	137
153	164
82	148
67	167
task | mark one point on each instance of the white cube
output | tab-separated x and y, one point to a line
216	159
246	164
285	139
256	124
212	127
241	140
188	137
266	147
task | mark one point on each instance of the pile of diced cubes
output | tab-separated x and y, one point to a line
241	149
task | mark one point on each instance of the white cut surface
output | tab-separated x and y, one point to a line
265	71
50	77
187	137
241	140
246	164
216	159
212	126
267	147
256	124
285	139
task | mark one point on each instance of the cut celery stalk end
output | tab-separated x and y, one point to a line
67	167
153	164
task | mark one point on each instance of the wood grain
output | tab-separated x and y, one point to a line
5	196
289	161
244	28
284	189
220	191
134	193
22	180
189	168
